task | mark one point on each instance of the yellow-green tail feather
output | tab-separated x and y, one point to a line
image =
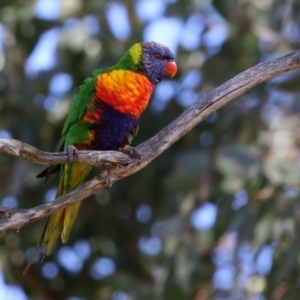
60	223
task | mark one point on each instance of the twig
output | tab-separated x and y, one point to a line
120	165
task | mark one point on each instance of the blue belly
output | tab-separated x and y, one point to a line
113	129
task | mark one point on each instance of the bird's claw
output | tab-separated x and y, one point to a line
8	212
111	179
131	151
5	212
72	153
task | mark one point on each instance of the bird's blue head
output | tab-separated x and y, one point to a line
150	58
157	61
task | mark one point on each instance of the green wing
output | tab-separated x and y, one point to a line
78	107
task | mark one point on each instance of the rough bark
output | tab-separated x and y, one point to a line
118	165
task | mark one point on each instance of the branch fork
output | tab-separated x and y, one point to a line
117	165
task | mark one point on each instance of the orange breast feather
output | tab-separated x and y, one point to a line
127	91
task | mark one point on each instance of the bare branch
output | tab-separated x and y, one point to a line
32	154
119	164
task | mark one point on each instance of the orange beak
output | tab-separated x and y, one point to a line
171	68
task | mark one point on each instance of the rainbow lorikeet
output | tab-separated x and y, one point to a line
104	115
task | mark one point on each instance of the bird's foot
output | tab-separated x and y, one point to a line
72	153
5	212
111	179
132	152
8	212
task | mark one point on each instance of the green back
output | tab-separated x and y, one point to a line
78	107
130	61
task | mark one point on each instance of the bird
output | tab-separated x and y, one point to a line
104	115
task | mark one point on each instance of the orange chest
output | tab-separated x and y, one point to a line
126	91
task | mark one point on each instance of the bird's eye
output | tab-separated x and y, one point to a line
156	56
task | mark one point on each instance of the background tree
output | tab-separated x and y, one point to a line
215	216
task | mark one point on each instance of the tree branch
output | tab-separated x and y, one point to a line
32	154
120	165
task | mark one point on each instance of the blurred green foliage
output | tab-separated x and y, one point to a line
214	217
